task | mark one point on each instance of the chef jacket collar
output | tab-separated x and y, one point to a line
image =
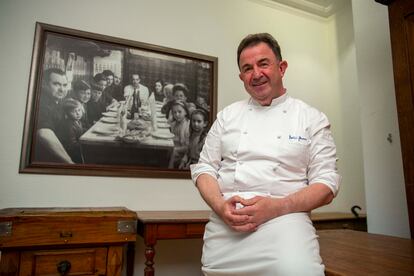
276	101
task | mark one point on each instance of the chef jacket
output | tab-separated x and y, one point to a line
277	149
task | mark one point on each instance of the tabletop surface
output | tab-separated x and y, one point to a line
203	215
347	252
66	211
174	216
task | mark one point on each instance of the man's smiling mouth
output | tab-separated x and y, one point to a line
259	83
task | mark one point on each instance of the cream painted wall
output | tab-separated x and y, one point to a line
321	57
208	31
342	106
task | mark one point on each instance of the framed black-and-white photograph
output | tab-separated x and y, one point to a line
100	105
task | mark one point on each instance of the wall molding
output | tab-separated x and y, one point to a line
322	8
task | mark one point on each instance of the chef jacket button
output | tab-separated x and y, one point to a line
284	111
278	137
244	132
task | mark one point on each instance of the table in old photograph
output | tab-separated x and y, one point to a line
102	145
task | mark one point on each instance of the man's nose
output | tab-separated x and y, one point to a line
256	71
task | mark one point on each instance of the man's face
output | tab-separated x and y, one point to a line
262	73
135	80
109	80
57	86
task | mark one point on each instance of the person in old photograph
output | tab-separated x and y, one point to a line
117	80
266	163
71	129
97	104
48	147
82	93
201	103
139	100
168	93
101	80
198	133
179	93
109	77
180	127
158	91
191	107
112	89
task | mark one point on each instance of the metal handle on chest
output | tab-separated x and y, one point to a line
63	267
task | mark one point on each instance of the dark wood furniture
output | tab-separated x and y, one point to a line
354	253
164	225
338	220
66	241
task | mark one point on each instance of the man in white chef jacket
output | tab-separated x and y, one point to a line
266	163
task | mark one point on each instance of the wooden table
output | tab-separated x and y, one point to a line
164	225
347	252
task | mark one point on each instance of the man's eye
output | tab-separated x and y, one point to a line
247	70
264	65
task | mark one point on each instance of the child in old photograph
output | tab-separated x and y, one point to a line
82	93
179	93
71	128
180	127
198	133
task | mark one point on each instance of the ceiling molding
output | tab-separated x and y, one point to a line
323	8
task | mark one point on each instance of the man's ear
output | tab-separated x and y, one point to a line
241	76
283	65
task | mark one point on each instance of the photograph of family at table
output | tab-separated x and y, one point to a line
72	109
101	103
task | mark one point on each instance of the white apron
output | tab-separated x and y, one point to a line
283	246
